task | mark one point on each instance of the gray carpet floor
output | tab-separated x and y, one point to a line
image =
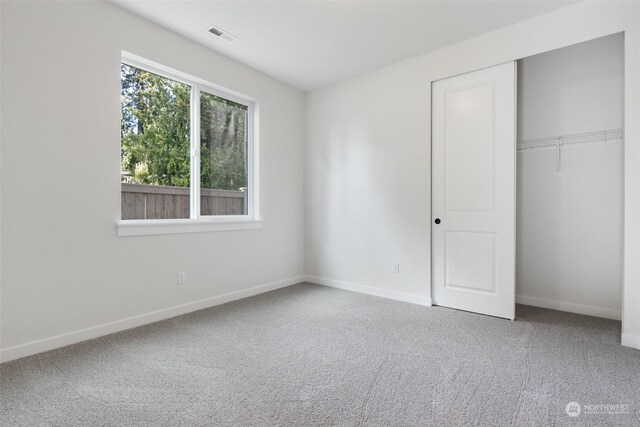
312	355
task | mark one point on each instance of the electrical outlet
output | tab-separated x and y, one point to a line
396	268
182	277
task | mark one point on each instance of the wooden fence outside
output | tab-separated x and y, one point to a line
139	201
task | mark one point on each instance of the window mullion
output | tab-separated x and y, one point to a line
195	152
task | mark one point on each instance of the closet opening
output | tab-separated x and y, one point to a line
570	182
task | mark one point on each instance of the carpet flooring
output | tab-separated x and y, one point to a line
309	355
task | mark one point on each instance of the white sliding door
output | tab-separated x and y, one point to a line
473	194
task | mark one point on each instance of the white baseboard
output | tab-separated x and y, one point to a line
632	341
46	344
384	293
588	310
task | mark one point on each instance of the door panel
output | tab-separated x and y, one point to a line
473	155
470	261
469	117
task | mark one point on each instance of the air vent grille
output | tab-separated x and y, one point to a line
219	32
215	31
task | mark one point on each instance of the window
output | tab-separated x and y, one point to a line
185	149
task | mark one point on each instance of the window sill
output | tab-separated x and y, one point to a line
150	227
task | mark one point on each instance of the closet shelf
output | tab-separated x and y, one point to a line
613	135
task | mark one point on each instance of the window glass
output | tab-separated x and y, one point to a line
155	146
223	156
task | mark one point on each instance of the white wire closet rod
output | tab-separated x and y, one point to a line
613	135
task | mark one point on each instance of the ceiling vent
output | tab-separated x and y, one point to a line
219	32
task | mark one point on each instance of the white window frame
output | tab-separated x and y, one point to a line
197	222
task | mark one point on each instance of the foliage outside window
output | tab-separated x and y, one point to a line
163	170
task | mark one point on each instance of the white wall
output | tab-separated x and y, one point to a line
575	89
569	224
63	269
368	155
368	183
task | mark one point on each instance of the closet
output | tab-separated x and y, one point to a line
569	191
527	183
